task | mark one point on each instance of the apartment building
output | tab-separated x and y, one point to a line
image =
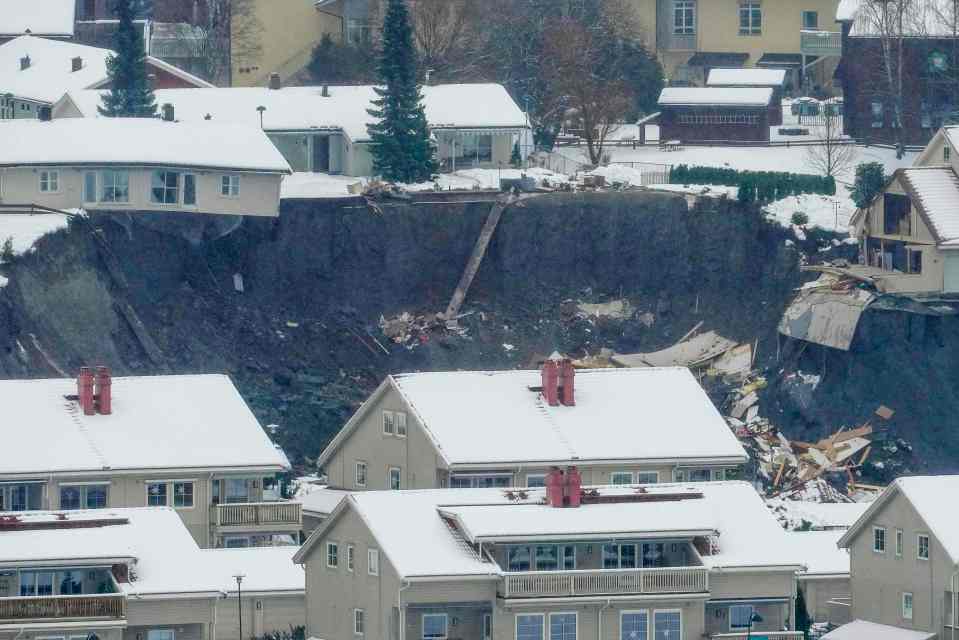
508	428
189	443
671	561
137	574
904	555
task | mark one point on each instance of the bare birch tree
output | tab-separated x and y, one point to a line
834	155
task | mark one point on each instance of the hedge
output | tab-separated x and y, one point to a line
764	186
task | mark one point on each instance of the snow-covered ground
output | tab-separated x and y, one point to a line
317	185
25	229
486	179
826	212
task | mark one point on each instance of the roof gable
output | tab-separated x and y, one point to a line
39	17
934	191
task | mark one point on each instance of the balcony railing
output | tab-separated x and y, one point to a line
753	635
820	43
110	606
538	584
257	514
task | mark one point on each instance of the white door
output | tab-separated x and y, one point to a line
950	282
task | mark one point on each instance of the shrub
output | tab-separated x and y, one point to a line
295	633
764	186
799	219
6	251
870	178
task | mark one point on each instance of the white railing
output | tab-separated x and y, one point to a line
111	606
258	513
532	584
756	635
820	43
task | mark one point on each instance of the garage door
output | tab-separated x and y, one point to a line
951	272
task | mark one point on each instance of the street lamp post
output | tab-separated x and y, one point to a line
261	109
753	619
239	600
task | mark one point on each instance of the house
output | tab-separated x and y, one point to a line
904	557
824	581
137	574
35	72
928	94
676	561
47	18
716	114
498	429
774	79
318	504
186	442
140	164
692	37
324	129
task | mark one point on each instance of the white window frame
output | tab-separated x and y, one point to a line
86	196
230	185
653	621
912	605
172	494
946	152
359	622
900	543
84	488
802	17
680	7
101	185
389	424
875	539
634	612
350	557
747	7
487	626
166	495
178	189
549	623
541	476
360	464
373	562
654	474
399	479
622	475
169	634
332	555
50	177
752	610
446	626
192	178
541	616
399	420
920	537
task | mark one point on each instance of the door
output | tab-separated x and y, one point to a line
950	282
321	154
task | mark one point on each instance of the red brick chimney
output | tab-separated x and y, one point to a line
104	391
554	487
574	486
567	390
85	391
550	376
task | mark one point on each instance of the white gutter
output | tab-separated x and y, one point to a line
401	609
602	535
107	471
539	602
59	562
599	634
446	578
721	460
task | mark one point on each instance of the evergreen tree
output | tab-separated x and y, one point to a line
400	137
130	94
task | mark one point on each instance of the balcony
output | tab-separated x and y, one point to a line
546	584
42	608
260	515
820	43
755	635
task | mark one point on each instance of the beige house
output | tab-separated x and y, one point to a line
140	164
157	441
905	558
678	561
137	574
498	429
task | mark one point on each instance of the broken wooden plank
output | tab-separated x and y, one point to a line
884	412
779	475
140	332
740	408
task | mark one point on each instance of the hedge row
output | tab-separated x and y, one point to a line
764	186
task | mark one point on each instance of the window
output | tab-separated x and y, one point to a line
359	622
750	18
69	497
679	475
535	479
562	626
740	616
907	606
684	17
115	186
619	556
183	494
230	186
946	150
810	20
667	625
90	186
899	542
388	427
189	189
435	626
373	562
36	583
879	539
360	476
49	182
467	481
160	634
237	542
647	477
897	214
922	547
518	558
156	494
350	557
569	557
165	187
547	557
530	626
654	554
395	478
332	555
400	419
487	626
915	260
878	115
621	477
21	497
699	475
633	625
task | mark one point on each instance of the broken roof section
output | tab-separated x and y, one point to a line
695	351
826	312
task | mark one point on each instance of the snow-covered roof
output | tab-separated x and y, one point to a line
931	496
819	515
863	630
487	417
820	553
754	77
138	142
154	540
716	96
937	192
465	106
846	10
428	545
39	17
921	18
158	422
321	501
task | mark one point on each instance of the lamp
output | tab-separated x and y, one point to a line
753	619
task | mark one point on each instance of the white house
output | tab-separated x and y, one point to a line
324	129
36	72
49	18
140	164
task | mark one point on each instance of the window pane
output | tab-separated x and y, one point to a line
89	187
634	626
546	558
189	189
610	556
529	627
627	556
536	480
569	557
667	625
518	558
44	583
434	626
70	582
156	494
739	616
388	422
28	583
237	490
562	626
115	186
621	477
97	496
183	494
400	418
69	497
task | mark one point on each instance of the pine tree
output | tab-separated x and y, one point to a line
130	94
400	137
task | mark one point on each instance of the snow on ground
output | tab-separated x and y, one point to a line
25	229
317	185
486	179
709	190
825	212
